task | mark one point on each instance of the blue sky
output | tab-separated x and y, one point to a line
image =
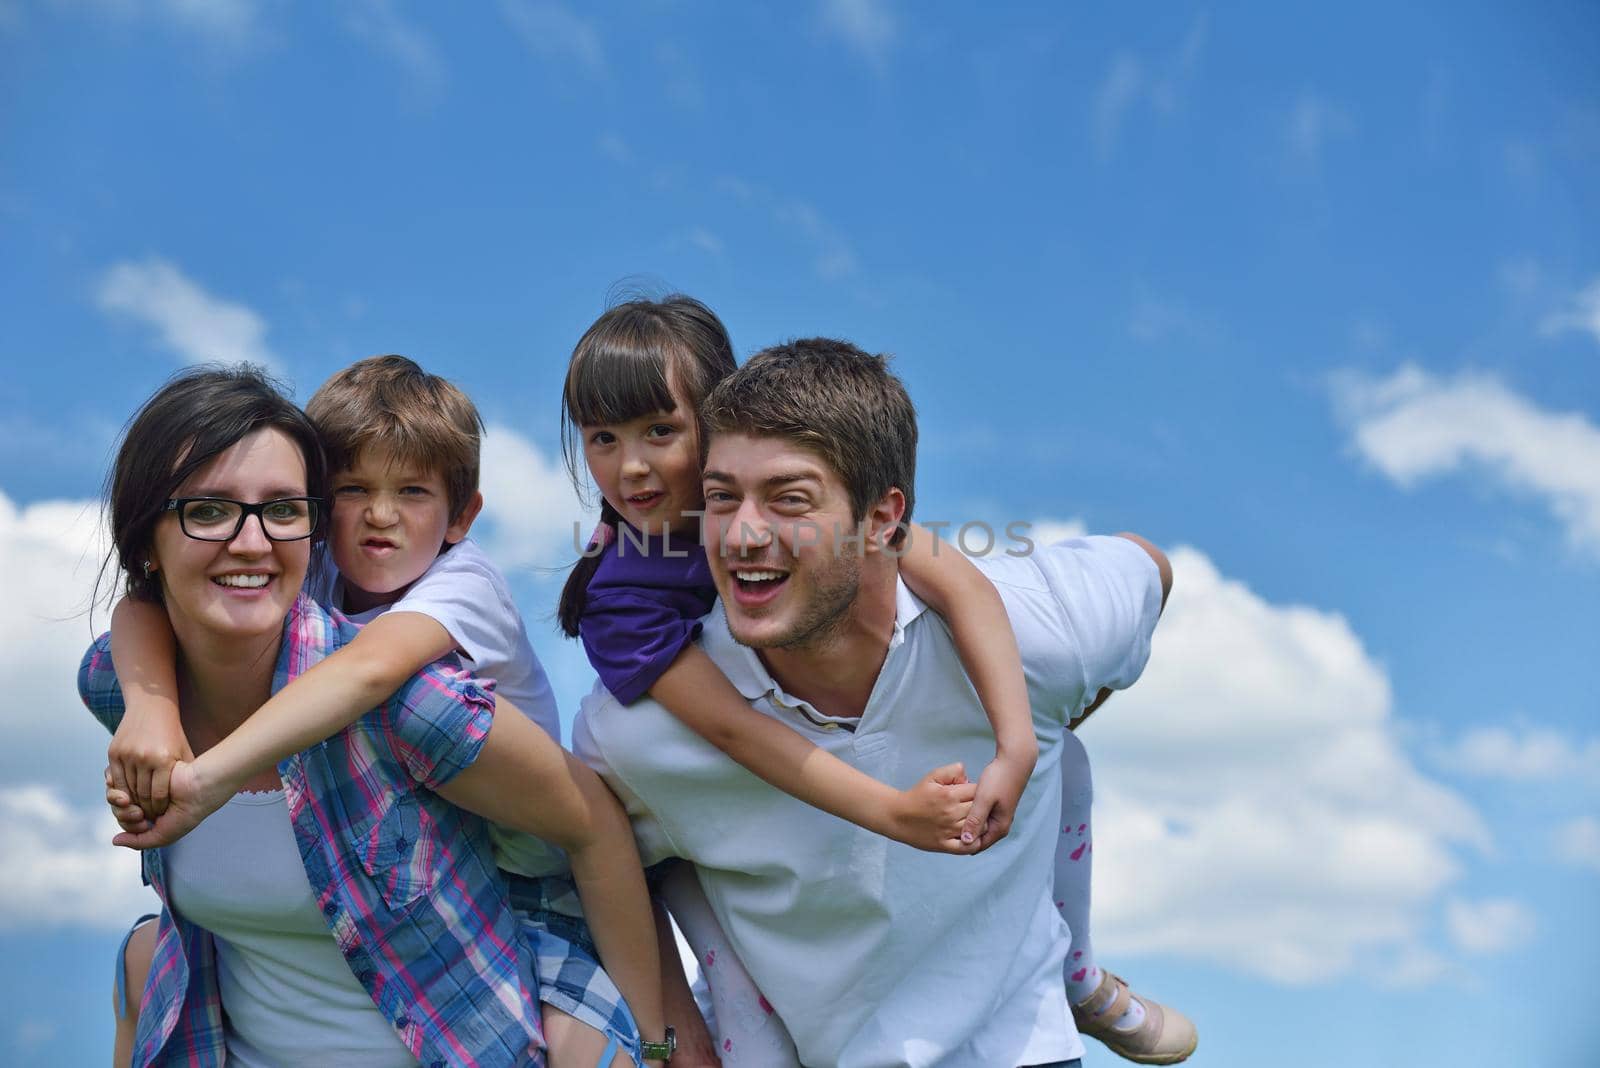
1309	297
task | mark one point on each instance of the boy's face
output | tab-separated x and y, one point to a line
390	520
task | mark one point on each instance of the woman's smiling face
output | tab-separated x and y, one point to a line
241	589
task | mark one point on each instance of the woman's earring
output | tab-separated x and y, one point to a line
147	569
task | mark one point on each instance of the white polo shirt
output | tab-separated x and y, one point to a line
874	953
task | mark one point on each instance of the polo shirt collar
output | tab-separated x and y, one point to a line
750	676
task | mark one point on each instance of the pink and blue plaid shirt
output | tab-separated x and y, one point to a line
406	881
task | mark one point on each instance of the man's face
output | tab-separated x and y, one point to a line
779	538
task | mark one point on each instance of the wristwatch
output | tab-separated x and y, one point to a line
659	1051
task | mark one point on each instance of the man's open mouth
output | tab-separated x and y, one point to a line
758	584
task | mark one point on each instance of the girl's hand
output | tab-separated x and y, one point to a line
931	814
190	801
142	755
995	805
129	816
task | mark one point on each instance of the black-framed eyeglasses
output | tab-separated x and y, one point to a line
221	519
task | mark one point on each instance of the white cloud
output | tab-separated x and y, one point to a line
1130	81
1156	319
61	869
614	148
223	22
1523	753
1582	313
1494	925
868	26
54	827
556	32
380	23
529	504
1050	531
1414	425
832	256
1313	122
232	20
1521	276
705	240
50	554
680	77
192	323
1254	804
1578	842
1118	91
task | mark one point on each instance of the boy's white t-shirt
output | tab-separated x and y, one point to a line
466	594
872	952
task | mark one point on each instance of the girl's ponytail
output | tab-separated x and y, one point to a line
575	594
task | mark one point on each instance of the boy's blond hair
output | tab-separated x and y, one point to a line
389	404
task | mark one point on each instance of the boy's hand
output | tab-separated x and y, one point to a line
190	801
142	755
930	815
994	805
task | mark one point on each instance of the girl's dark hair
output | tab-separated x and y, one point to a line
624	367
199	414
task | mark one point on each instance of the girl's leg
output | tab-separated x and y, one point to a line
1104	1007
1074	863
748	1031
133	966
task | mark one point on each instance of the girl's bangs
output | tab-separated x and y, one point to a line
610	385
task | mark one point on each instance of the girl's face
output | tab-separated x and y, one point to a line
648	468
241	589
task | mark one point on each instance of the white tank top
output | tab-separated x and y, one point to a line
288	997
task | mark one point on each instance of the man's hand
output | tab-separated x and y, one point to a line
994	805
142	755
930	815
189	802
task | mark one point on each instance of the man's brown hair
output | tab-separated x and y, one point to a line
835	401
390	404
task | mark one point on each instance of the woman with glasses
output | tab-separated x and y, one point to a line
340	908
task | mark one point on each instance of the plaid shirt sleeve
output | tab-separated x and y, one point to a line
438	722
98	686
